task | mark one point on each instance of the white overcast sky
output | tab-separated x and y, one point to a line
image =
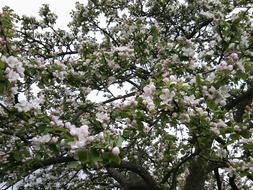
61	8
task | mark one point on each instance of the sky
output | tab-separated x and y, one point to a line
61	8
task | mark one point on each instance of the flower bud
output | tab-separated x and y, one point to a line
115	151
233	57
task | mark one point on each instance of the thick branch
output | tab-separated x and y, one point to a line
142	172
117	176
51	161
197	176
198	28
183	160
11	133
61	54
241	99
240	103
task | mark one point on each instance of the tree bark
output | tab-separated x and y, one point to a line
199	165
148	180
197	176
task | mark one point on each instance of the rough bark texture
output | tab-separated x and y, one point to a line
141	178
199	166
198	175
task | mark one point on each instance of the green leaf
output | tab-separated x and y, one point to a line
53	148
94	157
2	88
198	79
246	134
73	165
127	132
235	136
211	104
82	155
119	141
2	66
109	157
89	156
16	156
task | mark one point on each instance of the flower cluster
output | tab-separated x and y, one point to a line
102	117
14	70
167	96
224	67
216	126
82	135
219	96
148	94
233	57
25	106
56	121
44	139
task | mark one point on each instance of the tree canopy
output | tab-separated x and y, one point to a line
136	94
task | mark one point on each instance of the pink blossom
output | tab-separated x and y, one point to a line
2	41
149	89
215	130
146	128
12	76
223	66
101	136
115	151
102	117
233	57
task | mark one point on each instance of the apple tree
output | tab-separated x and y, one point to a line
135	94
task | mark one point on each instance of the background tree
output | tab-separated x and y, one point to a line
183	119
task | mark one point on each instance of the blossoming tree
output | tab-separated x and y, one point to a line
174	109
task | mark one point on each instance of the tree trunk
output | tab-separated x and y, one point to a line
199	166
198	174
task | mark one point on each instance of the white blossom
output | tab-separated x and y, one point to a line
240	66
189	52
149	89
12	75
167	96
224	66
102	117
215	130
206	14
25	106
44	139
14	70
122	49
146	127
82	135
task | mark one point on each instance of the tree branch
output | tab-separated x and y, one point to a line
51	161
117	176
183	160
232	183
218	180
142	172
240	102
